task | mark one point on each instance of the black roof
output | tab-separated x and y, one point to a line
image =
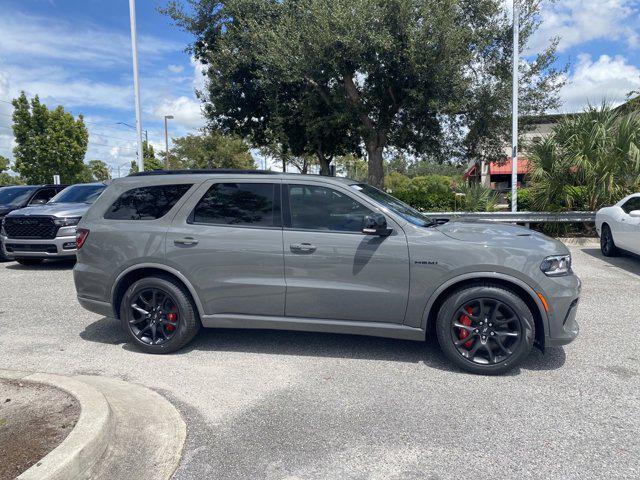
192	172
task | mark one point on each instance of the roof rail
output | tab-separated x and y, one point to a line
203	171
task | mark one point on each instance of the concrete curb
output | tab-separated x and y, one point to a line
581	241
110	427
86	443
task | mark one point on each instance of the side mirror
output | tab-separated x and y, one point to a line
38	201
634	213
375	224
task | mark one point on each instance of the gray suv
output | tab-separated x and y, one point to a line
168	252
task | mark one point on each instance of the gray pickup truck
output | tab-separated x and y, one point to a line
32	234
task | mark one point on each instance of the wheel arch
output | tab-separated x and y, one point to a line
520	288
136	272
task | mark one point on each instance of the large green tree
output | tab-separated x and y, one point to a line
427	76
48	142
210	149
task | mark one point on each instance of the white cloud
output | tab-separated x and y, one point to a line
199	75
581	21
175	68
607	78
32	37
187	111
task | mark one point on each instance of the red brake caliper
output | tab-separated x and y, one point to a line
464	320
172	317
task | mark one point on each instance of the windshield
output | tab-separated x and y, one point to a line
405	211
15	196
79	194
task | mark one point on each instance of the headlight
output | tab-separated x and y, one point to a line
66	222
556	265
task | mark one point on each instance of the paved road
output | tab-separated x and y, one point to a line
281	405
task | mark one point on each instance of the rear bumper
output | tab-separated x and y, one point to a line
96	306
59	247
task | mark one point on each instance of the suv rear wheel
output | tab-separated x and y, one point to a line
485	329
158	315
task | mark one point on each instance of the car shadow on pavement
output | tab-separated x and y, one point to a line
46	265
627	262
311	344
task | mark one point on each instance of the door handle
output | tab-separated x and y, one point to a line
302	248
186	242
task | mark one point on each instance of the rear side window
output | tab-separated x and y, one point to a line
631	205
146	203
249	204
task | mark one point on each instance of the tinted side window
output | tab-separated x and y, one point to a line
254	204
44	195
321	208
631	205
146	203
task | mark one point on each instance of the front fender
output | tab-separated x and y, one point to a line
487	276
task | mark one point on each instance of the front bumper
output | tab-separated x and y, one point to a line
62	246
563	295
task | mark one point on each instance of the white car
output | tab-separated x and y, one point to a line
619	226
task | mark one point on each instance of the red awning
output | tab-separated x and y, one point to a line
506	167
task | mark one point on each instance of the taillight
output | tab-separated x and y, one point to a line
81	237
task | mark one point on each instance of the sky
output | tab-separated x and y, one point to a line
77	53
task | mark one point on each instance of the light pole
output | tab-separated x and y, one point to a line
166	141
514	113
136	83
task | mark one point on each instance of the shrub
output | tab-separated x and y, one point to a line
524	200
428	193
477	198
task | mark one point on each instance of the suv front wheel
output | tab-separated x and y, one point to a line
158	315
485	329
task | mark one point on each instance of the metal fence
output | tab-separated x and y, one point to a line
517	217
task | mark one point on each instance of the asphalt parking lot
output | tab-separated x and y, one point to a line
283	405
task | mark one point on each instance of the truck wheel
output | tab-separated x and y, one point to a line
158	315
485	329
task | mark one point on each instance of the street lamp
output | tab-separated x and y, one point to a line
136	82
514	126
166	141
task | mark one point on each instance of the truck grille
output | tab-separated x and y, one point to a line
30	227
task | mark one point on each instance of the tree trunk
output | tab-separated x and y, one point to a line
325	162
375	176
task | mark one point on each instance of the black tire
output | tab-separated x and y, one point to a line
510	315
29	262
607	245
188	323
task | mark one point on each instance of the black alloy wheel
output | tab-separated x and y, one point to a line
485	328
158	314
154	316
486	331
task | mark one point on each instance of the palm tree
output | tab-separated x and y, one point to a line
591	159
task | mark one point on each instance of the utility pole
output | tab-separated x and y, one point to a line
166	141
136	82
514	114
